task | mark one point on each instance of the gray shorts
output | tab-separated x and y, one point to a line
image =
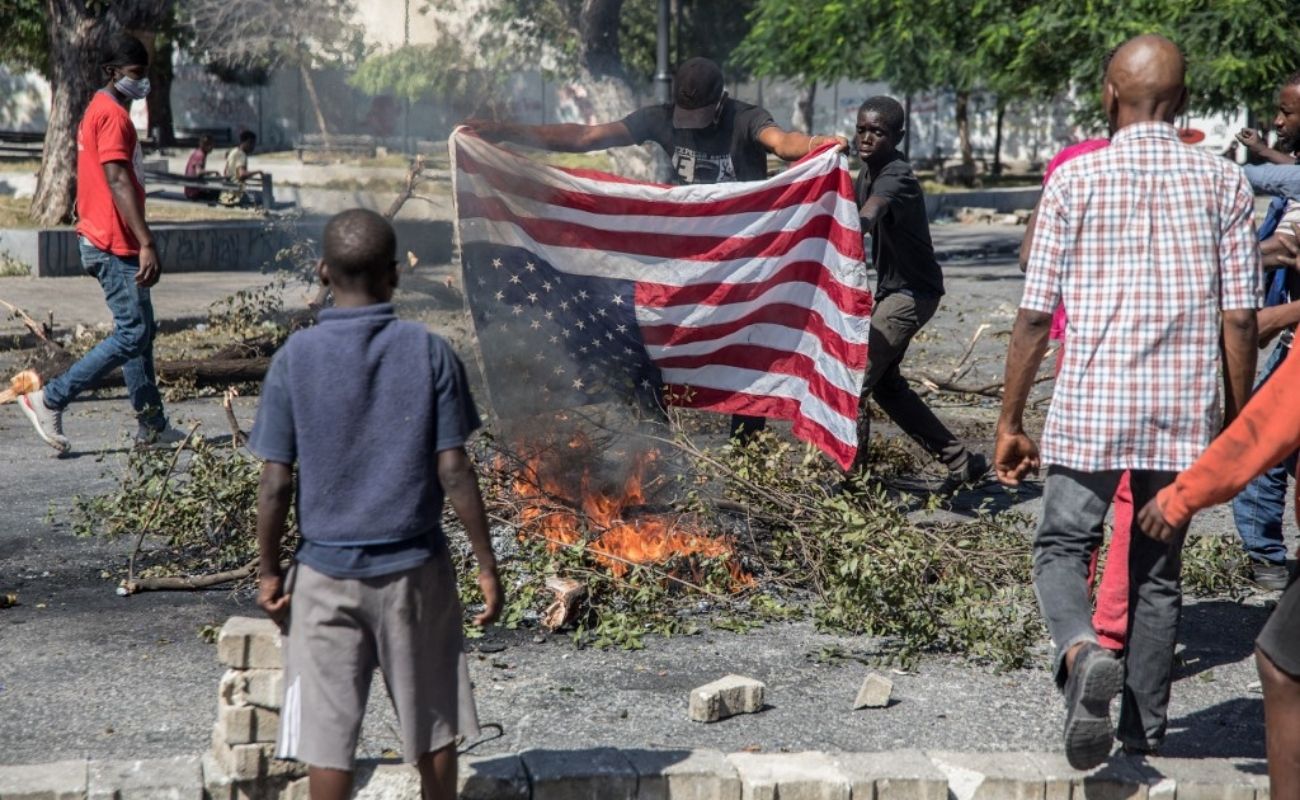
407	624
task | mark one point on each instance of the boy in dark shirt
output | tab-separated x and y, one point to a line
909	285
365	404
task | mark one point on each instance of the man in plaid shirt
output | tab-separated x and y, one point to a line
1150	245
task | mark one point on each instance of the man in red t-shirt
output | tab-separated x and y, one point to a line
117	248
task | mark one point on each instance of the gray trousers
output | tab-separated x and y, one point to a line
894	321
1074	507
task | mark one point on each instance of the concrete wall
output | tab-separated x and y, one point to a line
212	246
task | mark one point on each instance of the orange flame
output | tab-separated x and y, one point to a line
556	510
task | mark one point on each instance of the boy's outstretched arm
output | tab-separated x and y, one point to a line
274	496
460	484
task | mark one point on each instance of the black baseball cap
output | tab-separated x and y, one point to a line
696	92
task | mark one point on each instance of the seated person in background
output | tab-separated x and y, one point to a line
197	167
237	170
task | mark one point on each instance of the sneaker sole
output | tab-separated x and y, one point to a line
1089	734
61	447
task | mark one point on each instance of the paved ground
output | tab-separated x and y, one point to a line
86	673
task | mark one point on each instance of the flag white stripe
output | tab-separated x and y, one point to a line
671	272
778	337
736	379
744	224
854	329
824	164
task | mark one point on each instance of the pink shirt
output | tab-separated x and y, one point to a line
1073	151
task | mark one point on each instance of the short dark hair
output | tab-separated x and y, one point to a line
1293	79
205	139
360	245
247	136
890	111
124	50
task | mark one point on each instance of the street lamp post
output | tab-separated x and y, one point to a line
663	80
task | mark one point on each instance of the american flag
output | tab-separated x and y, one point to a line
745	298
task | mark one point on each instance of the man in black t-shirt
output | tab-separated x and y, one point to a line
909	285
708	136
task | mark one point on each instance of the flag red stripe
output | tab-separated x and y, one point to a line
666	246
849	300
768	359
760	199
730	402
852	355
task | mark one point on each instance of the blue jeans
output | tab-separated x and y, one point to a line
1259	509
1069	532
130	346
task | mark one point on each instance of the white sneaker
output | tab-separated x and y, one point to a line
47	421
148	437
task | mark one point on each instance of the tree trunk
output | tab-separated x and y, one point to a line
803	108
963	132
161	122
608	88
997	136
76	36
315	104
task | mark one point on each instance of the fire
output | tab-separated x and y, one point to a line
563	503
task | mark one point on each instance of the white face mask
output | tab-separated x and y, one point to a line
136	89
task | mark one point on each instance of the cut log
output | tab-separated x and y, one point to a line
562	610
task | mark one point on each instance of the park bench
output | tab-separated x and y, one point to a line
22	144
352	145
264	192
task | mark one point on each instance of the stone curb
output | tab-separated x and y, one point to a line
614	774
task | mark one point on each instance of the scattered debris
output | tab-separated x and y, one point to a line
8	600
726	697
875	692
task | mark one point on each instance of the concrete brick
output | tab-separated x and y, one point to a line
220	785
247	724
239	762
1206	779
492	778
1058	776
154	779
248	643
684	775
601	773
897	775
299	789
790	776
377	780
725	697
1117	779
58	780
875	692
990	776
252	687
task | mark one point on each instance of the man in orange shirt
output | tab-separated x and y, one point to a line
117	248
1267	431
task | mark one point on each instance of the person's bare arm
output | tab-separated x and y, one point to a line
1015	454
871	211
456	474
274	498
132	210
565	138
1273	320
1240	349
793	145
1257	145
